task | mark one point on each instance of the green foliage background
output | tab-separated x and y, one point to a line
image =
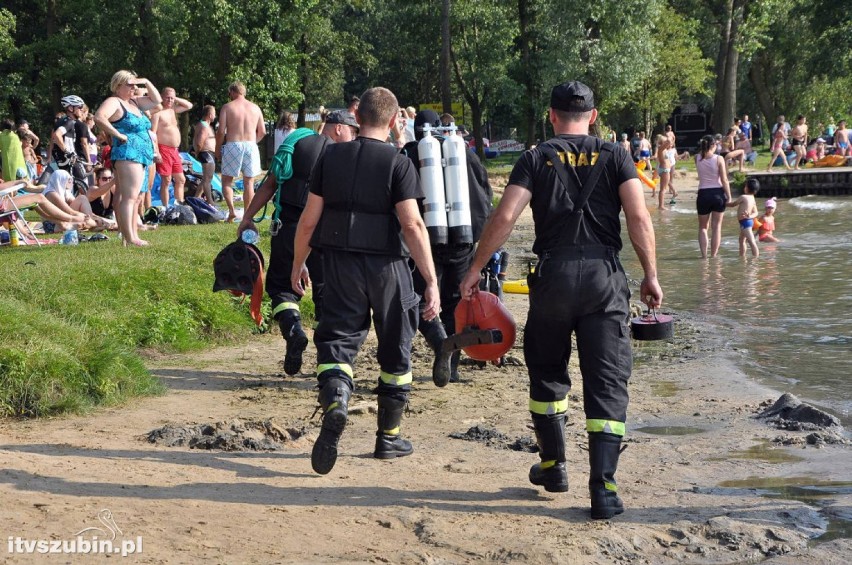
642	57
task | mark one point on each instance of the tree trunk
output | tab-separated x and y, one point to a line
446	92
727	65
476	118
526	20
303	71
146	63
55	86
475	100
764	97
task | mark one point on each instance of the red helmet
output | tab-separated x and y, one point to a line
484	311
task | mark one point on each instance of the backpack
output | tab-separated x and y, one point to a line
179	215
205	212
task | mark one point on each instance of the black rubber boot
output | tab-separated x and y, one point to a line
551	473
604	450
435	335
334	400
455	359
389	444
291	329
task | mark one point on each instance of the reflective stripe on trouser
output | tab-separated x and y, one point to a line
395	380
548	408
606	426
356	285
284	306
280	267
589	298
341	367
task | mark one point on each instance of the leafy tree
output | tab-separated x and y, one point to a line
742	27
482	37
806	63
678	67
609	48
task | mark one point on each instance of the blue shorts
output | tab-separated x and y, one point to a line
710	200
144	188
746	223
644	153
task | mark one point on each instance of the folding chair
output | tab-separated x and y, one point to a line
10	213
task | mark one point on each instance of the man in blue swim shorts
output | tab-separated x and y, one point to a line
241	127
841	140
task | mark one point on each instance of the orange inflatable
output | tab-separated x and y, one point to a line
652	184
831	161
484	311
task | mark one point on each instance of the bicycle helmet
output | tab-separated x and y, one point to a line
72	100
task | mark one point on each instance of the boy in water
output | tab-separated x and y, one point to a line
746	213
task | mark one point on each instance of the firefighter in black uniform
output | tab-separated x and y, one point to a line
576	186
362	212
287	181
452	260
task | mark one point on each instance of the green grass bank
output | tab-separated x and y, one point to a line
75	318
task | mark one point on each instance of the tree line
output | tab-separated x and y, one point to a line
501	57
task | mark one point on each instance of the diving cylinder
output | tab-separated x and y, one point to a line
458	194
432	179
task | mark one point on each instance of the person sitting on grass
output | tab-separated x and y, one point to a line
44	208
58	192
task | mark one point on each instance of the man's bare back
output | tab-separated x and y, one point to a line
241	120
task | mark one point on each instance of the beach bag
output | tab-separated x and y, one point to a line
179	215
205	212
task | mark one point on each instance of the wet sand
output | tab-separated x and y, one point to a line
689	477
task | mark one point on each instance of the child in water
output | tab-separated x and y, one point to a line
746	213
765	232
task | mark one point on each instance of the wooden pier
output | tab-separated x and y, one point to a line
823	181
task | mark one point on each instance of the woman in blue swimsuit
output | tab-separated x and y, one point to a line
122	116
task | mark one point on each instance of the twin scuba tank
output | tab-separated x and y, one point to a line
443	174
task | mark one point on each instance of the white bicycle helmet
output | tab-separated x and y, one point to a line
72	100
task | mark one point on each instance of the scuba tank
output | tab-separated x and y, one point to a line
432	179
456	186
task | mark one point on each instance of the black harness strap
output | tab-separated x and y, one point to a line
584	189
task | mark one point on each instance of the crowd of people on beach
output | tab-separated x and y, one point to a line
114	156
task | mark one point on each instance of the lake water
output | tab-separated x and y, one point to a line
787	313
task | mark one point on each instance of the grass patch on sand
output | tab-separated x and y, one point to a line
76	317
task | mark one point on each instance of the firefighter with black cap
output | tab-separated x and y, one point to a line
287	181
577	186
362	213
452	260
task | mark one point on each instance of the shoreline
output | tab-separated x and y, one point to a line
696	478
452	501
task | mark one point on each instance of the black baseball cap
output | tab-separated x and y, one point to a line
342	117
573	96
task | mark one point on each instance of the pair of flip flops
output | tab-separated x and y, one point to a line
93	237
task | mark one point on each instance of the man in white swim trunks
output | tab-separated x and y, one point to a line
241	127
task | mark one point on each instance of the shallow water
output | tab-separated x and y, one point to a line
787	313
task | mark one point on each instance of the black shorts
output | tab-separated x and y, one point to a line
710	200
206	157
